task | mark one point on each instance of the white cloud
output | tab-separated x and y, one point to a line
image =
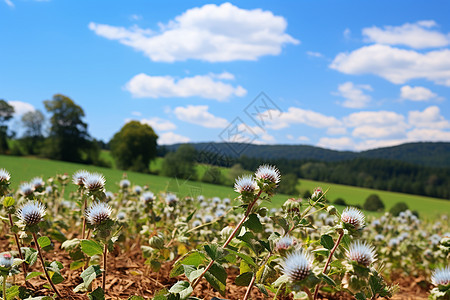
199	115
223	76
416	93
210	33
375	132
21	108
342	143
354	95
135	17
303	138
396	65
337	131
9	3
417	35
204	86
136	113
374	118
429	135
314	54
430	118
169	138
159	124
296	115
347	33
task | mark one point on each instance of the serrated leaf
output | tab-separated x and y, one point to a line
244	256
217	277
183	288
91	248
8	201
244	279
192	273
12	292
44	241
327	241
215	252
97	294
194	258
253	223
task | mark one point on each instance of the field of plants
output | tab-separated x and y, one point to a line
65	236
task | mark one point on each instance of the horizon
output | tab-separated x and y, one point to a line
351	76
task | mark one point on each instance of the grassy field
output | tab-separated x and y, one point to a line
24	168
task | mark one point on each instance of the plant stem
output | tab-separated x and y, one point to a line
307	291
105	252
24	267
43	265
341	235
249	288
247	212
83	210
4	287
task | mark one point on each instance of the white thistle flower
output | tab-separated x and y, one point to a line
246	184
6	260
216	200
79	177
31	212
4	176
37	183
124	183
226	201
269	173
109	196
137	189
98	212
196	223
297	265
207	218
219	213
285	243
201	198
26	189
94	181
171	199
441	276
353	216
361	253
147	197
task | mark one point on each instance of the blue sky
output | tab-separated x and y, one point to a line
346	75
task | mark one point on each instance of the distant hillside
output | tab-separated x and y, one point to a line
425	154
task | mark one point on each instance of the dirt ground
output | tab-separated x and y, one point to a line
127	275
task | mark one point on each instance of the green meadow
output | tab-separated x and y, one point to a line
25	168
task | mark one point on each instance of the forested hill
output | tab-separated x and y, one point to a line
425	154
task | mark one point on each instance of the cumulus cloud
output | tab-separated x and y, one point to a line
342	143
204	86
21	108
417	93
159	124
199	115
169	138
354	95
417	35
430	118
396	65
295	115
213	33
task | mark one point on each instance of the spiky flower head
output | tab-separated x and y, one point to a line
94	182
297	265
26	189
245	184
148	197
6	260
79	177
37	183
124	183
98	212
269	174
362	253
31	213
285	243
137	189
441	276
353	216
318	194
4	176
171	199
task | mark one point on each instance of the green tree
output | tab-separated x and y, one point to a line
398	208
373	203
213	175
6	113
68	133
180	164
134	146
32	139
288	185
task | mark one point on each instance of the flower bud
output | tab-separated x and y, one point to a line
156	242
331	210
292	205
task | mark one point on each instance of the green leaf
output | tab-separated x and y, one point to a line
76	264
90	274
376	284
253	223
136	298
360	296
262	289
91	248
183	288
244	279
97	294
192	273
56	277
12	292
44	241
194	258
327	279
244	256
217	277
33	274
327	241
215	252
8	201
322	251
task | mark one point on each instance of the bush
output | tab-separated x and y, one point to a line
373	203
340	201
398	208
213	175
288	185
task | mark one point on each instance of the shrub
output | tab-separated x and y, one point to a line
373	203
398	208
340	201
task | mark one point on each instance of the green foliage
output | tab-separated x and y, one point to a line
288	185
340	201
373	203
32	139
134	146
6	113
398	208
213	175
180	164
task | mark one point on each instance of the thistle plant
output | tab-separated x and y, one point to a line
7	268
440	278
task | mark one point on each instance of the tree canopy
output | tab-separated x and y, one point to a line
6	113
134	146
180	164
